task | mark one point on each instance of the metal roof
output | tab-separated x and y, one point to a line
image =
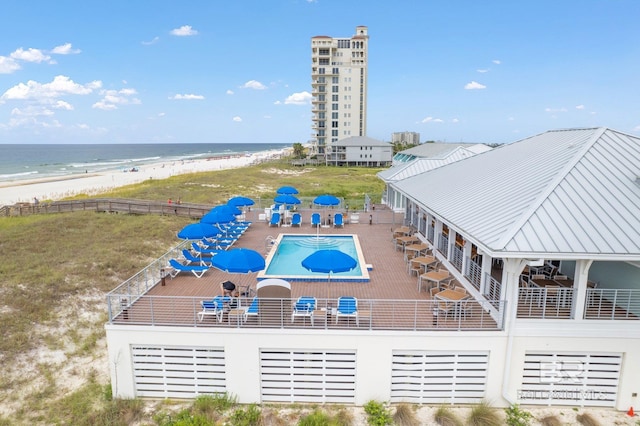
360	141
566	193
441	150
424	164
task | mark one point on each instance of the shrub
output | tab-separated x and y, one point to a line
517	416
444	416
315	418
251	416
483	414
377	414
550	421
405	416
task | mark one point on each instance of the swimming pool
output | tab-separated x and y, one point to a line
285	258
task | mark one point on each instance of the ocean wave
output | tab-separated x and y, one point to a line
17	175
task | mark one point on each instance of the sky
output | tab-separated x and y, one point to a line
160	71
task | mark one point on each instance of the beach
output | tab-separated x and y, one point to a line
92	184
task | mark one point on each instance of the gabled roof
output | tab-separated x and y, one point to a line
360	141
441	150
565	193
423	164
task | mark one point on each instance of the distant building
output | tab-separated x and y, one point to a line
339	89
437	150
405	138
360	151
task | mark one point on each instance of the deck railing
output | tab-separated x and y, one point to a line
474	274
546	303
372	314
612	304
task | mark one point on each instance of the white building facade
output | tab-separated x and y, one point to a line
406	138
339	88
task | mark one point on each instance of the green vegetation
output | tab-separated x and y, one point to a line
517	416
377	414
405	416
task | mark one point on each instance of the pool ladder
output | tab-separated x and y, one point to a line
269	243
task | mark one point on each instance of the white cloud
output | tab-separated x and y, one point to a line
30	55
65	49
32	111
483	70
63	105
431	120
474	85
497	61
184	31
229	92
187	97
8	65
152	41
61	85
579	106
253	84
300	98
113	98
455	120
554	110
237	119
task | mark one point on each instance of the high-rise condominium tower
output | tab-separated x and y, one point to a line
339	88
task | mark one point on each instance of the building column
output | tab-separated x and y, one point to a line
466	256
437	234
452	244
486	270
580	278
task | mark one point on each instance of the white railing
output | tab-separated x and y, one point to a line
372	314
612	304
492	290
474	274
545	302
456	257
443	243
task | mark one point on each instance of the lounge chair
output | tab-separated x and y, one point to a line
177	267
304	307
315	219
202	250
296	219
252	310
213	307
189	257
275	219
347	307
338	220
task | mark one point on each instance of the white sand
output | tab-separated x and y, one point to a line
24	191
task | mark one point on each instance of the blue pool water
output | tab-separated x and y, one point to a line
286	261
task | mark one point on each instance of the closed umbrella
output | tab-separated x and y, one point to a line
198	231
329	261
290	190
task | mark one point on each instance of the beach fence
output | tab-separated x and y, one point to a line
108	205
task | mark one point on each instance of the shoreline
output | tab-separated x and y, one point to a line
58	187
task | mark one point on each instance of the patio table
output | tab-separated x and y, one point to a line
562	292
452	296
417	248
408	240
401	232
434	276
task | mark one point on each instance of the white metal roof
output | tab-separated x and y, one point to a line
424	164
360	141
564	192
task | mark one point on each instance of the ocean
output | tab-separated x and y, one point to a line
20	162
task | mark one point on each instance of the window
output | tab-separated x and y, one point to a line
334	133
321	115
334	89
320	70
324	61
334	124
334	98
323	51
336	71
335	80
334	107
334	115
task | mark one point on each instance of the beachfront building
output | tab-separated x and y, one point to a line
420	159
338	88
534	299
360	151
405	138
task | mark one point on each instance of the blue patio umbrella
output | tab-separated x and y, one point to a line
326	200
227	208
238	261
287	190
198	231
240	201
286	199
216	217
329	261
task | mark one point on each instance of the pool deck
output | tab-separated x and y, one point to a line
389	278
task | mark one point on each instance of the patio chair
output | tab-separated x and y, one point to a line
213	307
202	250
177	267
304	307
460	289
275	219
189	257
315	219
338	220
296	219
348	308
252	310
